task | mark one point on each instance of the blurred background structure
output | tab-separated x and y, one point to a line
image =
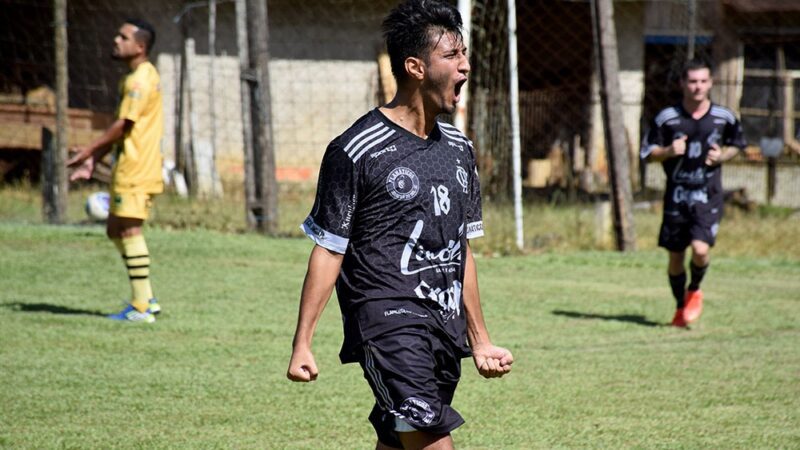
753	45
324	73
327	67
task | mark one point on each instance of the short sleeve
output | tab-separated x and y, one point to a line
654	138
330	222
734	135
136	91
474	207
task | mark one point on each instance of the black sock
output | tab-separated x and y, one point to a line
697	276
678	285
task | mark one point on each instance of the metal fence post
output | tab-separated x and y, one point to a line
622	198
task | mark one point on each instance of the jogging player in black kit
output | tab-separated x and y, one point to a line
397	201
691	140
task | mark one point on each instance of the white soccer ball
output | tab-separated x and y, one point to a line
97	206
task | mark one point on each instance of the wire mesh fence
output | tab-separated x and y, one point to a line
323	68
489	123
752	46
326	70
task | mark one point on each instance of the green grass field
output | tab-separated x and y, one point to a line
596	365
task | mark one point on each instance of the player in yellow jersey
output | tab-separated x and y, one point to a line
135	137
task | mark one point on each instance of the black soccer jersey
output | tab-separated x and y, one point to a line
690	181
400	208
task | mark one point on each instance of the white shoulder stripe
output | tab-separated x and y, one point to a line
366	140
450	130
665	115
360	135
453	133
723	113
449	125
373	144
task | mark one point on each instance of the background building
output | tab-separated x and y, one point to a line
325	73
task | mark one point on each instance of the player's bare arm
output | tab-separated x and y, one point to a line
677	148
718	155
323	269
490	360
84	158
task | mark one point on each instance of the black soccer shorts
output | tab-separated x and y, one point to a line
680	227
413	375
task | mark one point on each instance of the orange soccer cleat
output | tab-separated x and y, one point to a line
692	305
678	320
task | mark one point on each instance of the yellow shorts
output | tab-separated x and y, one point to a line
135	205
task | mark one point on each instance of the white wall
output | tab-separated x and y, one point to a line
315	101
312	102
323	69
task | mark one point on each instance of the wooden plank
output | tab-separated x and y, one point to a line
21	126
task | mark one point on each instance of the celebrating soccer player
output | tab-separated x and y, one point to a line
397	201
136	138
692	140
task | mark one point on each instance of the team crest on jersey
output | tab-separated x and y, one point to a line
461	176
402	184
714	138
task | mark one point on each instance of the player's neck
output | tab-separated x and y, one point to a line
697	109
408	111
134	62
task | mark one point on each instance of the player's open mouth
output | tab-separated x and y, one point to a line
457	89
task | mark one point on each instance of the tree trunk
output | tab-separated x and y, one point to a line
54	151
264	205
611	99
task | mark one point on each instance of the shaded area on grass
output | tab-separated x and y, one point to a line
48	308
631	318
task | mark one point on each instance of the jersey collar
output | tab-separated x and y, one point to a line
433	138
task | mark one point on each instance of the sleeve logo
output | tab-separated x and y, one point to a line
316	229
474	227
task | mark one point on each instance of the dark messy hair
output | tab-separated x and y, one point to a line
145	34
694	64
413	28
